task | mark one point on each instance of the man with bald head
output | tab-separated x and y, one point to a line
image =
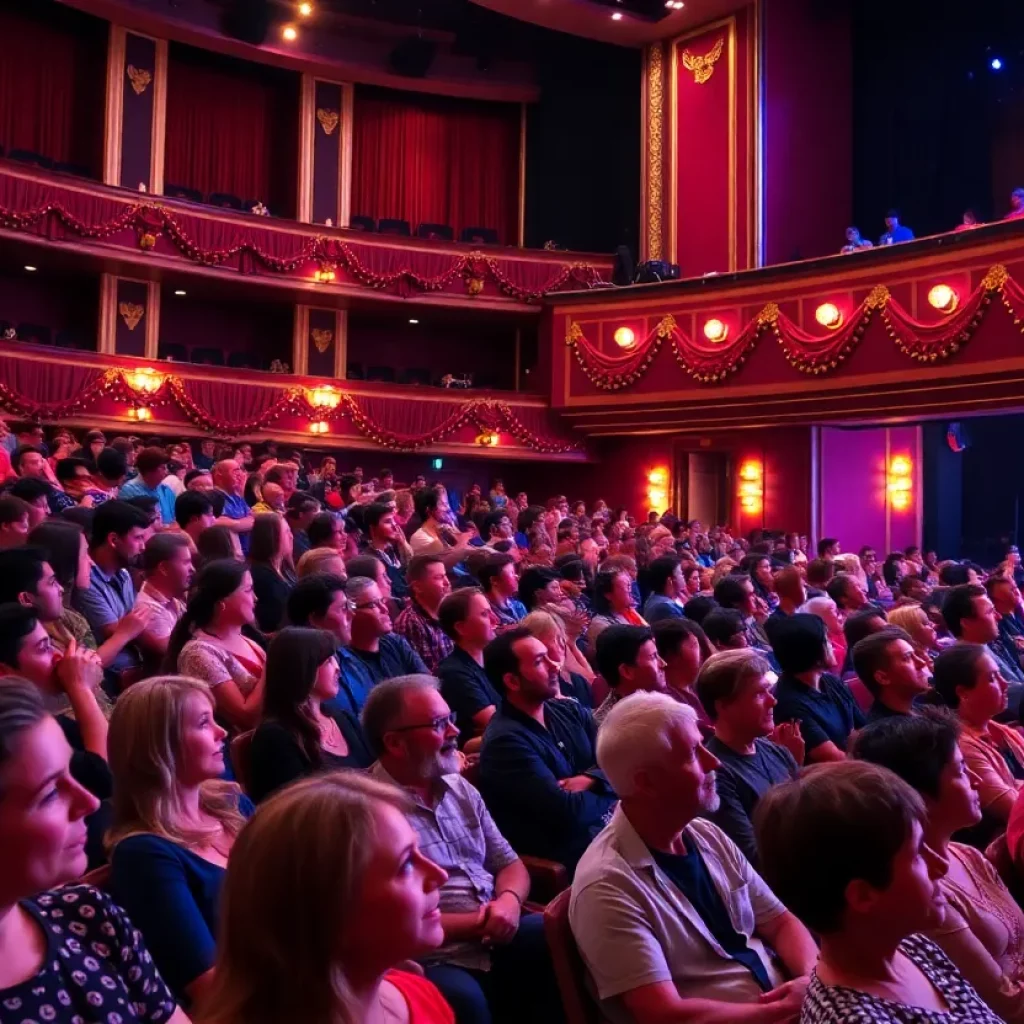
229	479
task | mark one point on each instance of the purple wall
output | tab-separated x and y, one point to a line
326	155
321	364
853	479
128	340
137	115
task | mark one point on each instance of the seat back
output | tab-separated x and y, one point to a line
393	226
479	236
226	199
362	224
577	1002
439	232
241	760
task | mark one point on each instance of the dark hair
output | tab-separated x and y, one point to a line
345	484
617	646
915	747
191	505
534	579
492	568
798	642
427	501
957	666
147	505
953	574
729	590
265	539
117	517
294	657
192	474
21	709
959	605
150	459
722	676
493	519
831	825
526	519
374	513
161	547
313	595
871	655
299	504
858	625
500	659
698	608
31	489
12	509
819	572
839	586
824	544
570	567
418	565
604	582
67	469
21	451
454	609
62	542
321	529
722	624
671	634
363	565
215	582
111	464
215	543
660	571
16	622
21	569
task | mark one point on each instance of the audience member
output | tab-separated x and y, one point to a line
152	466
320	560
418	623
854	242
895	232
36	494
628	660
537	771
193	512
736	592
896	676
683	647
229	480
302	508
167	568
216	543
436	536
386	541
914	621
670	918
271	568
789	585
575	676
724	628
14	519
298	735
498	579
668	590
973	619
383	653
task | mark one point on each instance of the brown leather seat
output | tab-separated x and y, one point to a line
580	1007
241	746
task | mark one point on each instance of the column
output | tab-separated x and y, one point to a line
325	166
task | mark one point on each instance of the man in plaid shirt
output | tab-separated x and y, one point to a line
429	584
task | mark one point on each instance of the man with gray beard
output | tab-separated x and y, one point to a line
489	949
672	921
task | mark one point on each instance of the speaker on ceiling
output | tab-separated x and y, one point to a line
413	56
248	20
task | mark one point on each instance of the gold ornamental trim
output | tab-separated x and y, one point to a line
328	119
131	314
139	77
703	67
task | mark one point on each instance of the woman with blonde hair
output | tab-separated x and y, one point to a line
174	823
320	560
326	892
723	567
575	675
913	619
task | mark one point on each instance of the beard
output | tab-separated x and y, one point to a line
709	798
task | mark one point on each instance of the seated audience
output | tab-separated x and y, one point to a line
973	619
229	480
683	647
302	507
808	693
498	579
754	753
298	735
968	679
628	660
151	464
326	530
849	594
613	604
327	843
174	823
982	931
167	567
537	771
895	675
854	242
36	494
216	543
736	592
575	676
668	590
466	617
320	560
914	621
724	627
383	653
825	608
1005	597
539	587
418	624
271	568
671	920
193	512
789	585
843	846
208	643
66	953
372	569
436	536
489	947
895	232
386	542
14	517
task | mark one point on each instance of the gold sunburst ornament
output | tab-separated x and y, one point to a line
131	314
703	67
328	119
322	339
140	78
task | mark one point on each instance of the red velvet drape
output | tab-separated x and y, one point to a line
52	82
232	128
435	160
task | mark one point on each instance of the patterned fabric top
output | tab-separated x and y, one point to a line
425	636
825	1004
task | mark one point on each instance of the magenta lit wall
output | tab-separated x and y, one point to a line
853	487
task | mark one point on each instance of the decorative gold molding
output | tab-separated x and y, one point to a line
703	66
341	349
139	77
655	115
158	140
300	332
131	313
345	157
152	349
112	119
307	128
321	339
328	119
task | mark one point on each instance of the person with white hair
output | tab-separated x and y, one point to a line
671	920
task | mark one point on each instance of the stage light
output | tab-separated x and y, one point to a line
414	321
751	489
658	477
829	315
305	9
617	16
141	414
943	298
325	397
674	5
995	64
319	427
900	485
624	337
289	34
715	331
179	291
31	269
145	380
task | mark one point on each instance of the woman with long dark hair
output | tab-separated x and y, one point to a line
298	735
273	574
216	543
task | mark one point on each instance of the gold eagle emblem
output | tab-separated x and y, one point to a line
703	67
322	339
131	314
328	119
140	79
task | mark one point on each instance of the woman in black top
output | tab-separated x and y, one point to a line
65	953
273	575
297	737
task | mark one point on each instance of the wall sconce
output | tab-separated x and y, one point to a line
900	485
488	439
144	380
625	337
324	274
325	397
829	315
943	298
141	413
715	331
657	489
751	492
319	427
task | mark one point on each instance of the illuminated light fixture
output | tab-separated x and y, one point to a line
943	298
657	489
617	16
624	337
145	380
674	5
319	427
324	274
995	64
658	477
31	269
414	321
305	9
488	439
325	397
289	34
179	291
900	485
751	491
715	331
829	315
142	414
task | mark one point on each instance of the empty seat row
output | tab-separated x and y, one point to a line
437	232
40	334
225	200
28	156
205	355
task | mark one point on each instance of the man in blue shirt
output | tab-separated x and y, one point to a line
152	466
894	230
382	652
229	479
500	585
537	766
668	590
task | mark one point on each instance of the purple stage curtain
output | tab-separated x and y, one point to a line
429	159
52	82
232	128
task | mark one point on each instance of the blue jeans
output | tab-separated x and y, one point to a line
520	986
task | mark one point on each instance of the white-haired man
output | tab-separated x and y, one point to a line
671	919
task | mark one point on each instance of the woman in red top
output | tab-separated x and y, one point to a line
326	892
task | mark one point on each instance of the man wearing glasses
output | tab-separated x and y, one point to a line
383	653
489	948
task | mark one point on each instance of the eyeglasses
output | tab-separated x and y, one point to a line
439	724
379	603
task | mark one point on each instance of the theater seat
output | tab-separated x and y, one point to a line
414	375
241	758
71	339
354	371
193	195
244	361
438	232
173	351
37	333
28	156
78	170
381	373
362	224
207	356
479	236
392	226
225	199
579	1005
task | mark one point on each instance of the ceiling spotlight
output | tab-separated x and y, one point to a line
289	34
31	269
995	64
617	16
305	9
179	291
414	321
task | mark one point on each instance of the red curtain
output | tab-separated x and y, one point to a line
231	129
435	160
52	81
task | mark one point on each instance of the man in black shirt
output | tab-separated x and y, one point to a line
888	664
